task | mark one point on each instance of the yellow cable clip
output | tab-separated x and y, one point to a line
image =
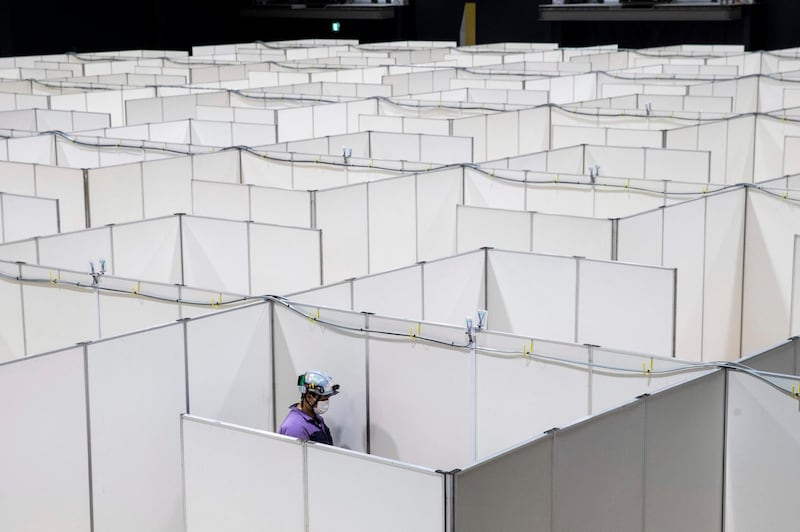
136	290
557	179
645	370
785	195
796	394
705	189
52	280
627	183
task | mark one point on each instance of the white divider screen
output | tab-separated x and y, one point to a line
220	200
532	294
366	491
454	287
12	342
338	295
392	223
626	306
65	184
512	491
230	367
283	259
763	440
44	483
241	480
487	190
166	186
552	393
571	236
437	194
278	206
27	216
56	315
302	344
479	227
137	391
74	251
24	251
115	194
402	424
149	250
215	254
598	473
771	224
122	310
395	293
342	216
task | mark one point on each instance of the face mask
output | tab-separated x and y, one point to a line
321	407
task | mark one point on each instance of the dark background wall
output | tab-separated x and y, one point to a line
51	26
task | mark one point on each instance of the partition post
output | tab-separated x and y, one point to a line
449	494
84	345
725	443
2	219
249	263
590	376
366	376
185	328
312	197
22	309
180	244
272	363
577	294
422	289
614	238
87	214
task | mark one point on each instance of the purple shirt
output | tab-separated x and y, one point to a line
305	427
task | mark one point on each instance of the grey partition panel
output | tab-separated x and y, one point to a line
599	473
780	359
43	447
353	492
510	492
762	470
684	440
230	367
136	394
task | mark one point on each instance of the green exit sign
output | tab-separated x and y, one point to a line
335	27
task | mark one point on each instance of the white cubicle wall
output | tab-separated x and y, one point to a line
24	217
229	256
561	298
49	120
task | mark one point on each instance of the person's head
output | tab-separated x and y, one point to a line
316	388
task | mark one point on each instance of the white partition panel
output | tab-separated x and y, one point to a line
241	480
572	236
617	162
66	184
482	189
337	295
24	251
558	198
684	248
640	238
220	200
771	223
303	344
27	216
219	166
39	149
598	473
12	343
763	439
437	195
278	206
403	426
392	223
45	452
115	194
357	506
396	293
626	306
479	227
724	270
684	441
237	387
342	216
283	259
295	123
544	403
149	250
395	146
532	294
136	393
620	376
454	287
215	254
166	186
122	309
691	166
74	251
